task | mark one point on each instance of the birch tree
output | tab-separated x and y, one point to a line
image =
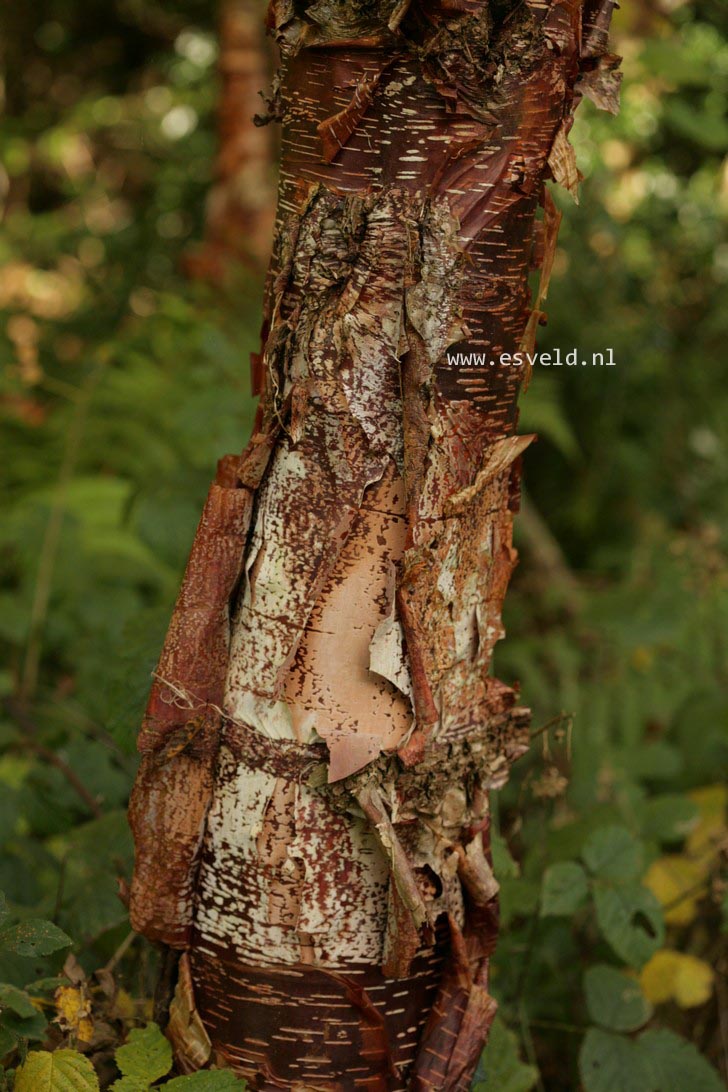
324	729
241	201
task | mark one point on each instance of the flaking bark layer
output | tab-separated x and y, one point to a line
311	814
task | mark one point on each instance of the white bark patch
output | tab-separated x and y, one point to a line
387	655
282	879
430	303
272	719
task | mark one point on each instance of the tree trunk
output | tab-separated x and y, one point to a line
311	813
241	202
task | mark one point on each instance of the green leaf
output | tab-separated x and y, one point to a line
145	1057
675	1064
655	761
565	888
17	1000
31	1028
545	414
500	1068
611	853
47	985
631	921
105	838
93	904
95	766
8	1041
33	938
215	1080
658	1061
668	817
612	1063
61	1071
614	999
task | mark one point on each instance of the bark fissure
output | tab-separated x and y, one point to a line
311	813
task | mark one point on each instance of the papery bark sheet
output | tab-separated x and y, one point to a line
311	814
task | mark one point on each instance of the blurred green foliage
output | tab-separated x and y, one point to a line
123	382
624	632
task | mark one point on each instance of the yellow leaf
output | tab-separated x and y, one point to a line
711	802
678	883
85	1032
124	1008
674	976
74	1011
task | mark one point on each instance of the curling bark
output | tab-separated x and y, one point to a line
311	812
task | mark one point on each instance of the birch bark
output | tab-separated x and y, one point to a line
311	813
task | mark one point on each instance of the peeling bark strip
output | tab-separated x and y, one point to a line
311	814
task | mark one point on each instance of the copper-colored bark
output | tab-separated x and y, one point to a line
241	202
330	742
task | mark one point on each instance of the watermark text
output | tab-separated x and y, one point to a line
552	359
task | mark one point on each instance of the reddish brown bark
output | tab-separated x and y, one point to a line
241	203
311	814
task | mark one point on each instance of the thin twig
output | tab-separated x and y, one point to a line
547	555
121	951
30	743
552	723
51	542
68	772
686	893
525	1022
